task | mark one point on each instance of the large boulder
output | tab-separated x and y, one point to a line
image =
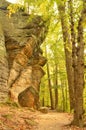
29	98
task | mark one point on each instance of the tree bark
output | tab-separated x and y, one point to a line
49	83
78	60
79	69
63	95
68	53
66	95
56	86
50	87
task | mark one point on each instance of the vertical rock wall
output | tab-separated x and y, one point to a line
3	68
22	41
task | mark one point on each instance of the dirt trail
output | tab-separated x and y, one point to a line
53	121
14	118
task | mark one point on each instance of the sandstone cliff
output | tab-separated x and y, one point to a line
21	59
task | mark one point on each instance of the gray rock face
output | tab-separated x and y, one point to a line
3	67
20	42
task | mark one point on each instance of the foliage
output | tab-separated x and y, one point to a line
13	8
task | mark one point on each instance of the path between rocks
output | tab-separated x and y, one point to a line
53	121
14	118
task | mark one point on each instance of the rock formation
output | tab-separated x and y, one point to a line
21	59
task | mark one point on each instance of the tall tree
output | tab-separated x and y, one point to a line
67	48
78	65
56	86
49	83
77	57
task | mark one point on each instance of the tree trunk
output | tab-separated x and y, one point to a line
43	103
68	54
79	69
56	87
66	98
49	83
73	40
50	87
63	96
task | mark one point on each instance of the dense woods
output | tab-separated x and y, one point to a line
49	33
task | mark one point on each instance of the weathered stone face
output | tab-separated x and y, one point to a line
29	97
22	40
3	67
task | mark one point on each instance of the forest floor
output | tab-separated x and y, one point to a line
14	118
55	121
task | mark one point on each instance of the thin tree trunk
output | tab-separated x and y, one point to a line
56	86
43	104
49	84
56	98
66	96
63	97
50	87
